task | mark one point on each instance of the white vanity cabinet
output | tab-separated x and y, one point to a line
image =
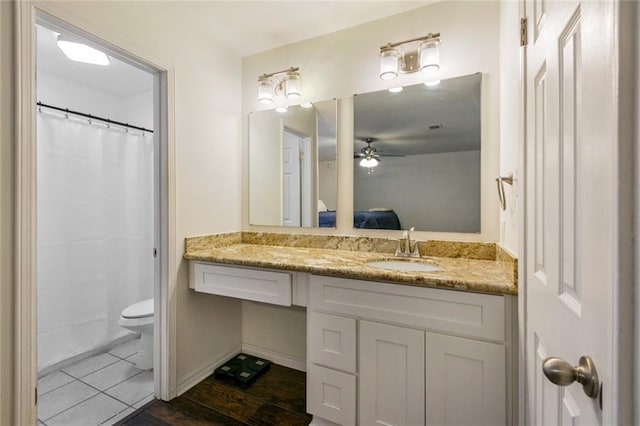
392	354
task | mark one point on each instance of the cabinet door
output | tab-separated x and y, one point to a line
391	375
465	381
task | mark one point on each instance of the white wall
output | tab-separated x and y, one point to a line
7	189
95	218
346	62
510	119
430	191
205	86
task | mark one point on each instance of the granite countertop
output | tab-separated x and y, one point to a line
347	259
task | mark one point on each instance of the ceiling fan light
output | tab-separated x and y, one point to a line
388	63
80	52
368	162
430	56
292	85
265	92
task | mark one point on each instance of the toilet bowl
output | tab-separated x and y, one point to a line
139	318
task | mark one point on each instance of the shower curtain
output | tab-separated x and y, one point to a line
94	232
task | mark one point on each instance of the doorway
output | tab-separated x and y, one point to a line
99	228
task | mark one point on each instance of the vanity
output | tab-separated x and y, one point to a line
384	345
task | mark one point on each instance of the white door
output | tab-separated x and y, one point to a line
571	204
290	179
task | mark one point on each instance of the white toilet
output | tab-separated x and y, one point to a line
139	318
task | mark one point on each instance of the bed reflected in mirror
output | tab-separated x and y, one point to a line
417	157
292	166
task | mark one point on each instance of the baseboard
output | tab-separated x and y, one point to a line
204	372
279	358
79	357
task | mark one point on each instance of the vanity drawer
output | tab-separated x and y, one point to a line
448	311
332	341
331	395
248	284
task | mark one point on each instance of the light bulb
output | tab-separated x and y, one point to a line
430	56
388	63
292	85
368	162
265	92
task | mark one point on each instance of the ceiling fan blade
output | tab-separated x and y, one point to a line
390	155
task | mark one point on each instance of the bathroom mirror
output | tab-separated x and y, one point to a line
417	157
292	166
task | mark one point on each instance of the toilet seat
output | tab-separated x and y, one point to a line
138	310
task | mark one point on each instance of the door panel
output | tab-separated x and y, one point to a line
465	382
570	208
391	375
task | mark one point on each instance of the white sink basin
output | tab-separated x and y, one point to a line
404	265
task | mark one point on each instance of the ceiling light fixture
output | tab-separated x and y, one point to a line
306	105
409	56
282	109
432	83
80	52
284	83
396	89
368	161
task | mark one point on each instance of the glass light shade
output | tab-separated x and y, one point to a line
389	63
282	109
82	53
292	85
396	89
432	83
368	162
265	92
306	105
430	56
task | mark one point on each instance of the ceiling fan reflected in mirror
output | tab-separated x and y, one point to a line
369	155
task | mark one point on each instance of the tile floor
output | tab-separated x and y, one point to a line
100	390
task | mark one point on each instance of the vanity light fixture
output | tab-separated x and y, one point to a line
409	56
80	52
285	83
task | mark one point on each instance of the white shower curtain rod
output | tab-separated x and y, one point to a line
93	117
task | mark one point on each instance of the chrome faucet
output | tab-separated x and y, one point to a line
404	248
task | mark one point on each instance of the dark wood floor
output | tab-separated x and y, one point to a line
275	398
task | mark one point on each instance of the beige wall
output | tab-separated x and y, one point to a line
6	210
207	112
346	62
510	123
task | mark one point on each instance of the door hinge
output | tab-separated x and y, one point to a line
523	32
155	252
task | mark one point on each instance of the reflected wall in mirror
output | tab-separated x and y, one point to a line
417	157
292	166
